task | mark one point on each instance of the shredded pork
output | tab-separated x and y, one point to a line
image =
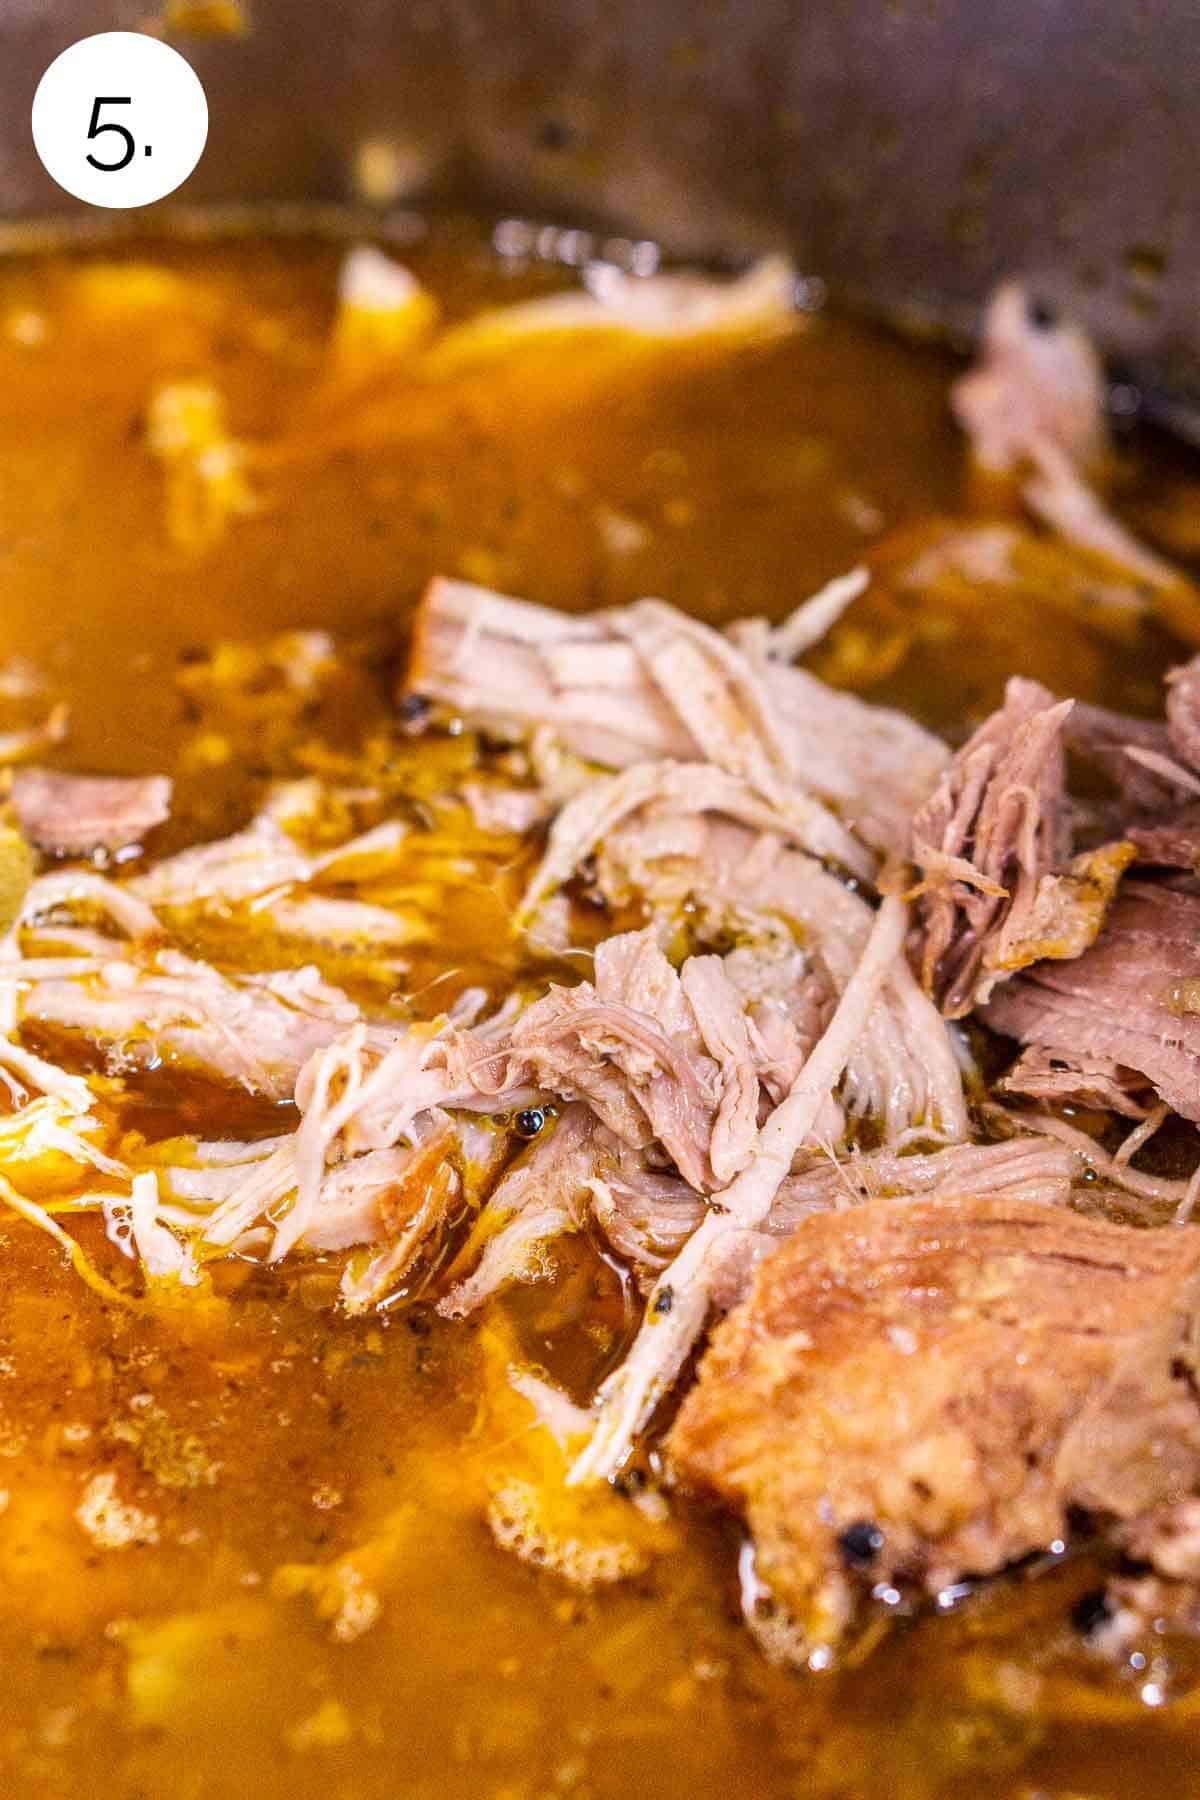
755	928
999	888
646	685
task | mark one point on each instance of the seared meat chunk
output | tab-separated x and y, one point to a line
963	1376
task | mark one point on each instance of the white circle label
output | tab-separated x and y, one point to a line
120	119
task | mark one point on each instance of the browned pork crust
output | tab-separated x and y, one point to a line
918	1390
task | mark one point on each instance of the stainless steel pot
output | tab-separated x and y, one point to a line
908	151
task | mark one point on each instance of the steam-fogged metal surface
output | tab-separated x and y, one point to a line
910	151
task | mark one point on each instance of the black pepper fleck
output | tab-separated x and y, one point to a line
413	709
1090	1611
860	1543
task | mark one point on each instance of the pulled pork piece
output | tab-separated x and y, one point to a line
225	1187
1058	1078
135	1226
1152	766
903	1071
1169	843
1131	1000
679	1305
1034	408
76	815
418	1207
251	862
1038	380
682	304
337	924
362	1199
811	621
676	789
538	1200
1059	496
992	844
632	1046
647	1218
265	869
384	314
512	665
1133	755
397	1201
645	684
454	1160
676	1059
917	1391
738	1049
1065	914
664	307
254	1032
204	466
499	807
81	892
1183	712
